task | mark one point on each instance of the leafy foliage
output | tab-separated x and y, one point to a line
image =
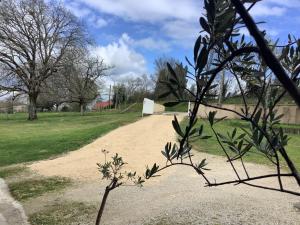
113	171
221	48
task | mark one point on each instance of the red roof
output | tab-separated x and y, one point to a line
102	104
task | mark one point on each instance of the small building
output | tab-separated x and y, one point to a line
102	105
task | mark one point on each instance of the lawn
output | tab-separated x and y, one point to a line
181	107
53	133
211	145
32	188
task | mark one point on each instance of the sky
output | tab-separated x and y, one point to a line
131	34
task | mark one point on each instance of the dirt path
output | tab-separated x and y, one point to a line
178	196
138	143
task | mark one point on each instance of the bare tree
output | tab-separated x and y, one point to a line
53	93
82	75
34	37
136	89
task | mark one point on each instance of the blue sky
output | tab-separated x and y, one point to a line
131	34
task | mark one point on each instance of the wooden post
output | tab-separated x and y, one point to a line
109	106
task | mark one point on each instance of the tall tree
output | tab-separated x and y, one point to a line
53	93
34	37
119	96
162	76
136	89
82	75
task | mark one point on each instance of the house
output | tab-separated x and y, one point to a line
102	105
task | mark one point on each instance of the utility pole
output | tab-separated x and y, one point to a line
221	87
109	106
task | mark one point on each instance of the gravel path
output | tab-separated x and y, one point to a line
178	196
138	143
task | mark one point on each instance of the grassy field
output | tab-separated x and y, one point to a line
181	107
53	133
32	188
211	145
62	214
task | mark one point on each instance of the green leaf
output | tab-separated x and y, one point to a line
193	131
163	95
197	47
257	116
204	24
172	72
233	133
202	164
202	59
205	137
240	145
241	136
213	86
200	129
176	126
221	136
211	117
220	119
164	154
173	91
211	10
188	61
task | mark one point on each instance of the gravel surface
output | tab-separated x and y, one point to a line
176	197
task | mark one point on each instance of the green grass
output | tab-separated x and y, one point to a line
211	145
181	107
53	133
11	171
31	188
250	100
64	214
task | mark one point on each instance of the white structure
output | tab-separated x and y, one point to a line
148	106
189	113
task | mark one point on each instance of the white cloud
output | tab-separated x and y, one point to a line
126	61
97	21
148	43
286	3
83	12
182	32
177	18
270	31
267	10
100	22
150	11
274	7
77	10
152	44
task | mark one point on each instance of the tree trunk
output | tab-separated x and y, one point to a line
32	115
81	109
100	212
221	88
